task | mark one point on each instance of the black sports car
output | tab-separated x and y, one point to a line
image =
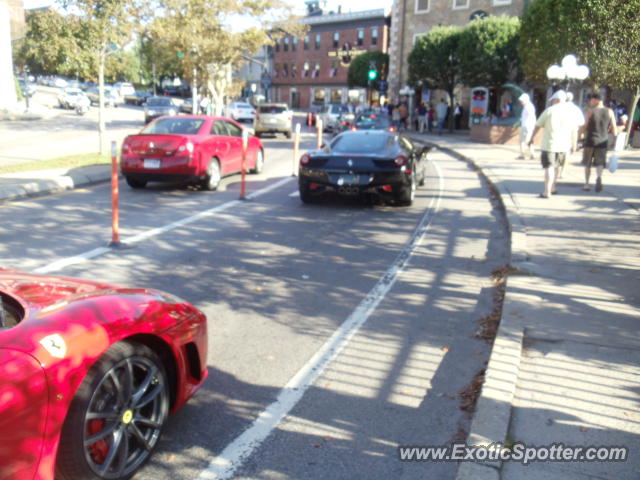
364	162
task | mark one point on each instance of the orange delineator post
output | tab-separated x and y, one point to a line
115	194
319	127
243	180
296	146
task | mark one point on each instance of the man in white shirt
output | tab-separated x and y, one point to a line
579	122
527	124
441	110
558	123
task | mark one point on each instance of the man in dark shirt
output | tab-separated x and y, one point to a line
600	120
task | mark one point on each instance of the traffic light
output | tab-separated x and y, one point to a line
373	72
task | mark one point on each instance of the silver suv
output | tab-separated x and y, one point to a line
273	118
331	115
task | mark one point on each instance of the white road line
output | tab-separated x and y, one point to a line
224	465
294	194
96	252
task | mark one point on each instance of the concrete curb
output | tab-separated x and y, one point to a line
21	186
493	410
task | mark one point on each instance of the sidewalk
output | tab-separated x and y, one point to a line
40	182
565	367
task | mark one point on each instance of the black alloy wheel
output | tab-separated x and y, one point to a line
116	418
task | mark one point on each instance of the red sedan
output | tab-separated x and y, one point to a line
88	374
190	148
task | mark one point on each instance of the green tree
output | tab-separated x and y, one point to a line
357	75
50	44
435	62
200	31
104	26
603	34
488	51
124	66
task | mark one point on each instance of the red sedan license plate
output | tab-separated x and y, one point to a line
151	163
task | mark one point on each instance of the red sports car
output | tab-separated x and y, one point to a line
88	374
188	148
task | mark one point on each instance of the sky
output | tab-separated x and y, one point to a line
353	5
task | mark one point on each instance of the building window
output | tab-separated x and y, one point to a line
277	45
276	70
460	4
307	40
360	37
334	68
305	70
374	36
294	70
285	69
317	41
422	6
316	70
336	39
294	44
286	44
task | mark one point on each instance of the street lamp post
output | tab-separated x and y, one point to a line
568	71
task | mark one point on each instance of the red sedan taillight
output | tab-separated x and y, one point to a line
186	146
126	149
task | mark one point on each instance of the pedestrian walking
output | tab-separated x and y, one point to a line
458	111
600	120
421	113
431	117
558	123
395	118
441	111
527	125
404	115
576	111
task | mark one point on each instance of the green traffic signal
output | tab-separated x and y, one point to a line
373	74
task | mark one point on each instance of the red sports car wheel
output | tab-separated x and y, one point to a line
116	417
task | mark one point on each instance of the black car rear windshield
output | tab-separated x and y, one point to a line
272	109
159	102
174	126
372	122
357	143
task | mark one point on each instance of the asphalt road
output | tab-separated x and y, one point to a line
278	280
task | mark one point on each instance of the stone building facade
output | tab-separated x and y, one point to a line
412	18
311	70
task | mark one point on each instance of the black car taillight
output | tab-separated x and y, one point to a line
400	161
305	159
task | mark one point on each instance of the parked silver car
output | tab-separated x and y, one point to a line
273	118
330	116
241	111
159	107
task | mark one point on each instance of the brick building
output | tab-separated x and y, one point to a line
412	18
312	70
